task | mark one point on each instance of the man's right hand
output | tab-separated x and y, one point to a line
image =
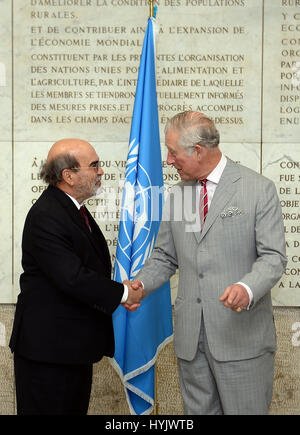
135	295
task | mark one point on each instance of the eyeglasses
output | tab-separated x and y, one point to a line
93	165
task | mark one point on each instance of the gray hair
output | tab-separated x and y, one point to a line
51	172
195	129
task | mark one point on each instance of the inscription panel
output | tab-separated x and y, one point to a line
281	163
281	114
6	249
6	151
81	76
6	70
214	57
281	129
75	72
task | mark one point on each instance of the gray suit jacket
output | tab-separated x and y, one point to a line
242	240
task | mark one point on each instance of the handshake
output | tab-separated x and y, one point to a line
135	294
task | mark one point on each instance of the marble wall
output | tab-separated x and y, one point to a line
69	68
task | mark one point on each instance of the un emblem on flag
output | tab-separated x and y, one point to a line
140	214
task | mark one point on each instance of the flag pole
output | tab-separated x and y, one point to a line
155	408
151	5
137	234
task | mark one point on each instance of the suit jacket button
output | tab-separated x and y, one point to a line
198	300
200	275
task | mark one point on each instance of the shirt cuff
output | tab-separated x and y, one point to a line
125	294
250	294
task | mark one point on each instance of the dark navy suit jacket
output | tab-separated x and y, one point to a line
64	310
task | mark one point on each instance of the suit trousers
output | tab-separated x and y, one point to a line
211	387
52	389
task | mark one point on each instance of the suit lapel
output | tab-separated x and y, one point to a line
190	207
225	190
98	240
95	237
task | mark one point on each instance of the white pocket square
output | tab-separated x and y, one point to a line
231	211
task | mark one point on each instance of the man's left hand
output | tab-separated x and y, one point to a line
235	297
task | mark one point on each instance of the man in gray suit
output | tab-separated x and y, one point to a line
228	262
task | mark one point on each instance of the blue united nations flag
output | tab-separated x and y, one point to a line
139	335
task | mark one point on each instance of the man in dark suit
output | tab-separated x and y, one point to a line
63	320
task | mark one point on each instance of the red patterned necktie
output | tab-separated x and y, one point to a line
203	205
83	213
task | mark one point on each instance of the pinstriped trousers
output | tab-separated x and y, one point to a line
211	387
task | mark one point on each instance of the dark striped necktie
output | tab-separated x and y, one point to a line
203	205
83	213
